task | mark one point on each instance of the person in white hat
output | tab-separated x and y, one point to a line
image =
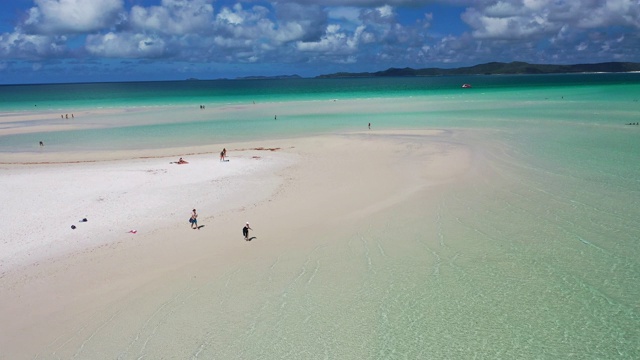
245	231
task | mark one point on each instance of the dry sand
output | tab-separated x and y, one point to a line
100	291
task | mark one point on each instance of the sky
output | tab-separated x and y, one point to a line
61	41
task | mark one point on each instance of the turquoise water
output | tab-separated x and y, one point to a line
536	258
502	101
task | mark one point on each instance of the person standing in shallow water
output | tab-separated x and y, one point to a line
194	220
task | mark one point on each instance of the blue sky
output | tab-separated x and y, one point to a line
43	41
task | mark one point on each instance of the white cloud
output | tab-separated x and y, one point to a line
229	16
380	33
125	45
334	42
289	32
55	17
608	12
347	13
231	43
23	46
331	41
385	11
533	19
509	26
173	17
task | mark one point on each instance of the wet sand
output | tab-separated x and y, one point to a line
100	291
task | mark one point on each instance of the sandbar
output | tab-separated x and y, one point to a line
102	291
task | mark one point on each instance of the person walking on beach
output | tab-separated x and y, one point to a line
194	220
245	231
222	155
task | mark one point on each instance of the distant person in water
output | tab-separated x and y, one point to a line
41	143
275	117
369	126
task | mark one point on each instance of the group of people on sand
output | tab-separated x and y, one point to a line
193	220
223	156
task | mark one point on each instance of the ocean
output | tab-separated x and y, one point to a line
537	259
229	115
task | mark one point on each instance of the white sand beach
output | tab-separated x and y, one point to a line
168	291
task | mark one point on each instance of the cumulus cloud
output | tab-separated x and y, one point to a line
125	45
375	32
23	46
335	41
176	17
58	17
376	3
609	12
509	23
344	13
527	19
310	20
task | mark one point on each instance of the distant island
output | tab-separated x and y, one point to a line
492	68
497	68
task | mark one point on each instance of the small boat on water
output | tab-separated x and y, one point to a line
466	86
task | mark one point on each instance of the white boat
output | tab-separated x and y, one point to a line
466	86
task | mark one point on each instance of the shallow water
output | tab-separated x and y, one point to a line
167	114
521	260
532	254
527	255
